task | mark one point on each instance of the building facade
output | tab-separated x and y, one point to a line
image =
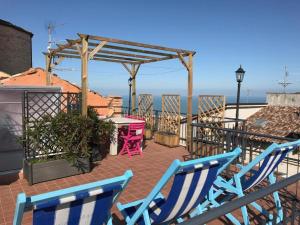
15	48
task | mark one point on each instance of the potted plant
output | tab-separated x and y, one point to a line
58	147
102	136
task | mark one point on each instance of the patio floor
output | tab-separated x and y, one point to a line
147	170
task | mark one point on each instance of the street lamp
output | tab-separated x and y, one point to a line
239	78
129	99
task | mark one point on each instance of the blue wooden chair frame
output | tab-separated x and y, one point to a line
248	177
99	194
194	176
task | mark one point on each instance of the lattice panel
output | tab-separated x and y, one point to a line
145	108
211	108
170	116
37	105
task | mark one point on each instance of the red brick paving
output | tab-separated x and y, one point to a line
147	170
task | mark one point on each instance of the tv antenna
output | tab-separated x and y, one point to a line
284	83
51	26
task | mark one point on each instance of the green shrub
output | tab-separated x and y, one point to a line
67	135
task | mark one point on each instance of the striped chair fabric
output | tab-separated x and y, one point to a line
83	208
86	204
269	164
190	186
266	163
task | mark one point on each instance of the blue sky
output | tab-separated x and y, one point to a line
262	35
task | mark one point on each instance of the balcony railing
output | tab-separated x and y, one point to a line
211	139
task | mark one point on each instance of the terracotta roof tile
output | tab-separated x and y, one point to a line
275	120
37	77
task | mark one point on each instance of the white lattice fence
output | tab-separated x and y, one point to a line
170	116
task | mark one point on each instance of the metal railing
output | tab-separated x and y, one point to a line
209	139
290	215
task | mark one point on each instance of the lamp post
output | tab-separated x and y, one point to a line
239	78
129	99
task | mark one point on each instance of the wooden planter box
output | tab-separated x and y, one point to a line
170	140
51	170
148	134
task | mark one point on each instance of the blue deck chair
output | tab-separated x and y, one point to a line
191	183
247	178
87	204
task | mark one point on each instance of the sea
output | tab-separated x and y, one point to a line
229	99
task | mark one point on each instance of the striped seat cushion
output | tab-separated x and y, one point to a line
270	163
83	208
190	186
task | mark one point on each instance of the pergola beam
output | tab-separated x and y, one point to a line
118	53
67	45
164	58
134	60
97	49
135	50
96	58
127	68
137	44
127	49
183	61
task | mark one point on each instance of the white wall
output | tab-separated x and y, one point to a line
244	112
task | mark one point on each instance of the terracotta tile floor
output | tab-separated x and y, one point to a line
147	170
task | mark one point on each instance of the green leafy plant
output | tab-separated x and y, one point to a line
66	135
102	134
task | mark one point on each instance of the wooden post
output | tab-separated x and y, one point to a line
48	69
190	104
133	72
133	93
84	75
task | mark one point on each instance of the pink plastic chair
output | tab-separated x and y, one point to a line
133	139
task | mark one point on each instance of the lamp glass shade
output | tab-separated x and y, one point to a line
240	74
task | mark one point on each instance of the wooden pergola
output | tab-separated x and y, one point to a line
130	54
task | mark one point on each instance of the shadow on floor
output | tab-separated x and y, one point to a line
7	179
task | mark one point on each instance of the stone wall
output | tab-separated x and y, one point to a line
15	50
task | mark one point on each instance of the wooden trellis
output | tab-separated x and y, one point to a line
145	108
211	108
170	116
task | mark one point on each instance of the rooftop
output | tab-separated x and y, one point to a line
147	170
37	77
278	121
